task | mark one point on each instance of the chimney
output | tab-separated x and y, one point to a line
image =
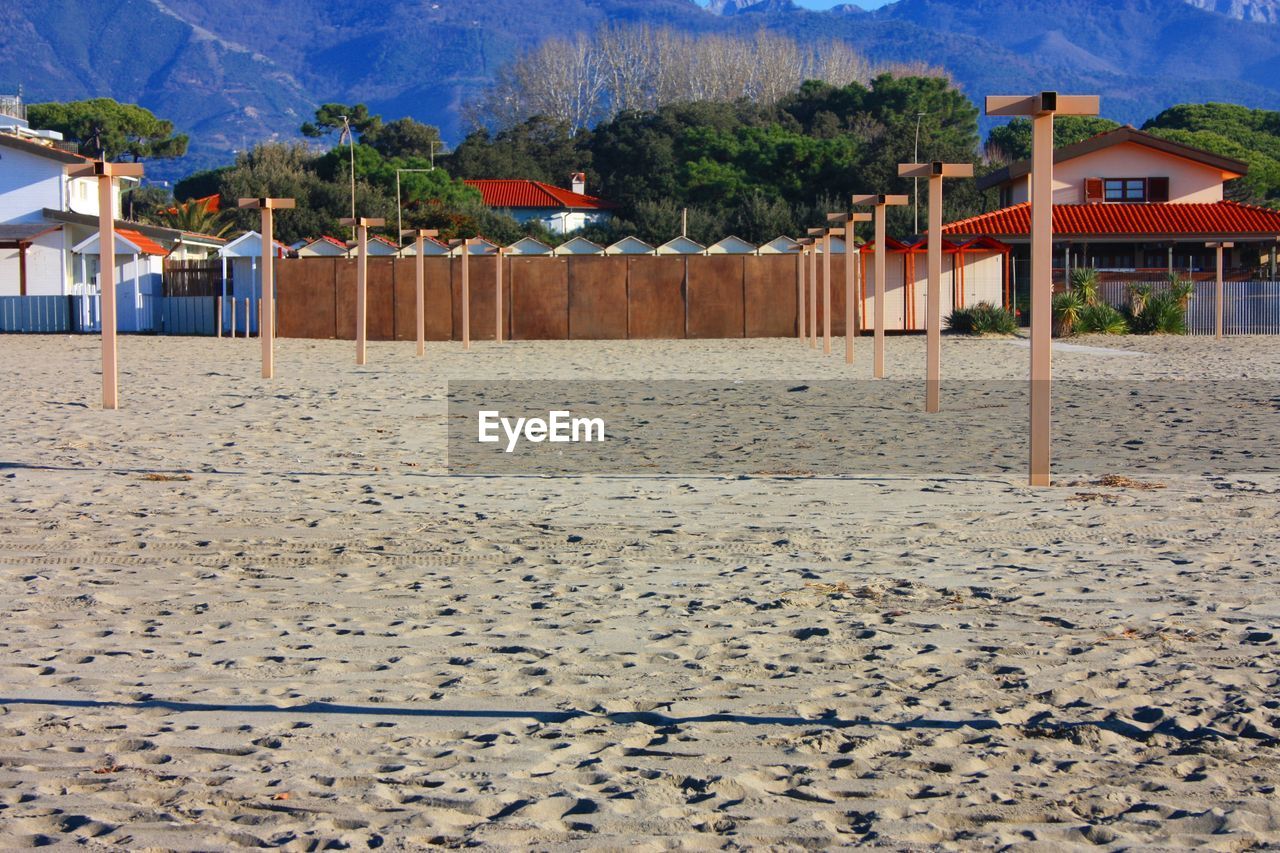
578	183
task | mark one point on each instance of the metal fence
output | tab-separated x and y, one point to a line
167	315
1248	307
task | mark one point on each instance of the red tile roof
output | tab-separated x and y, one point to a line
523	193
1129	220
144	243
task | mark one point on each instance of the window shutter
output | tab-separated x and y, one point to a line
1093	190
1157	189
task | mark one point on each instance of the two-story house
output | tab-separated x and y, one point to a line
46	215
1129	202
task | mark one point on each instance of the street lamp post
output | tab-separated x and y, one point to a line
1041	109
915	158
935	172
351	148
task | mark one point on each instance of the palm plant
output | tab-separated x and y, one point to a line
199	216
1085	281
1066	313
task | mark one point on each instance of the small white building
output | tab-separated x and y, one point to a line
731	246
480	246
682	246
780	246
380	247
630	246
139	264
529	246
322	247
242	278
431	247
579	246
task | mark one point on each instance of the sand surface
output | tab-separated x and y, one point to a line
248	613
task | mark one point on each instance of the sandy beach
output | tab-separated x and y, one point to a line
254	613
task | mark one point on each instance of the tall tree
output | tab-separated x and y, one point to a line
329	120
107	128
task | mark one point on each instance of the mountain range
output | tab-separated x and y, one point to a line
231	73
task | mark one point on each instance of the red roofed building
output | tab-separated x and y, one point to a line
559	210
1131	203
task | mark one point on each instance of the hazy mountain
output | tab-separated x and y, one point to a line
231	73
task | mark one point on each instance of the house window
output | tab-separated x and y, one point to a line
1125	189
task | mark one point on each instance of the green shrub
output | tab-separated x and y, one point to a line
1066	313
1157	314
1084	283
1101	319
982	319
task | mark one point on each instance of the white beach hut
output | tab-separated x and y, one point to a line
780	246
322	247
139	275
482	246
431	248
731	246
630	246
681	246
528	246
242	279
579	246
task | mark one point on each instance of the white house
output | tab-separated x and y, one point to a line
528	246
558	210
45	213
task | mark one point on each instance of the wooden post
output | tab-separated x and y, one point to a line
813	295
1041	108
218	310
802	259
497	304
362	225
248	327
826	293
104	172
935	172
1219	294
420	282
466	294
852	316
881	204
267	318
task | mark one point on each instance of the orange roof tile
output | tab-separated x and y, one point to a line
1129	220
144	243
525	193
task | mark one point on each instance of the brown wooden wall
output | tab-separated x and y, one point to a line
556	298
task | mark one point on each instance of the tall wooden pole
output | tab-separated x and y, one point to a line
104	172
362	224
420	283
1219	306
497	290
802	259
881	203
935	172
851	315
813	296
1041	108
267	318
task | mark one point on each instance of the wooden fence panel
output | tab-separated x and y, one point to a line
539	299
406	272
769	293
480	274
345	297
715	296
381	299
598	297
655	297
193	278
306	305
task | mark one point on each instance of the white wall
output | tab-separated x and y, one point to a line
1189	182
27	185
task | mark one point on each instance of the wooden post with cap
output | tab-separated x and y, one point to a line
852	319
420	281
881	203
1041	109
935	172
497	287
802	258
267	322
1218	289
104	172
362	225
816	235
